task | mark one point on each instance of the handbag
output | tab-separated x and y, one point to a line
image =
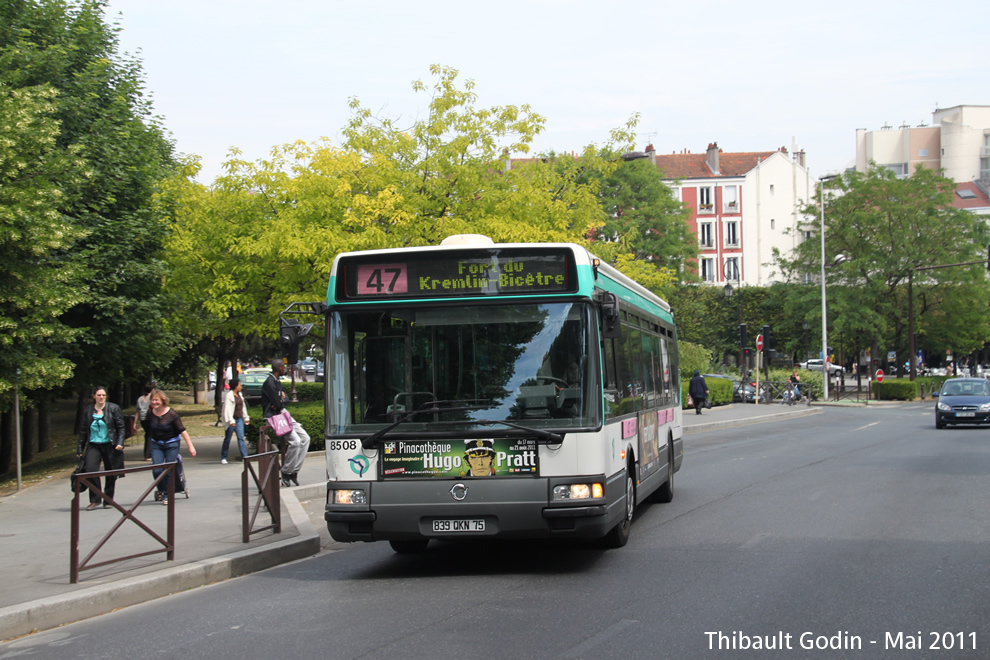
78	486
281	424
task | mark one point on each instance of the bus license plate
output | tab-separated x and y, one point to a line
454	526
965	414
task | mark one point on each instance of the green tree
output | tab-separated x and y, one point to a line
101	109
644	217
36	286
885	227
265	233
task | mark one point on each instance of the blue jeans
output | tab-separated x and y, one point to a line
167	453
237	428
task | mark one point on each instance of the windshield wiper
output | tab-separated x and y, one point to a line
551	437
434	407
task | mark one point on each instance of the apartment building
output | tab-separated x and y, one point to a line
958	142
743	206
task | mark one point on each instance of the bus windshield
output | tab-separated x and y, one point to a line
523	363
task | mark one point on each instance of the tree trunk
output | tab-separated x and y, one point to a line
44	422
6	440
28	435
80	407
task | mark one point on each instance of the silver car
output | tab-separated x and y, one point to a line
815	364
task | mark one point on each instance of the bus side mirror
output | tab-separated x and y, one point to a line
292	333
608	309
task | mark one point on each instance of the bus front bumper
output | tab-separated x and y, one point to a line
501	508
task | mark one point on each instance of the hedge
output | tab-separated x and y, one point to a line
309	414
719	391
903	389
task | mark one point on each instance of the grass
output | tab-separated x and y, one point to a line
61	459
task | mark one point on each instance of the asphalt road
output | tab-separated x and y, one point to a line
860	528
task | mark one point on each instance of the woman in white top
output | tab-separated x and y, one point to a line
234	415
143	403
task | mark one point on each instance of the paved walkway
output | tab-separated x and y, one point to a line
35	533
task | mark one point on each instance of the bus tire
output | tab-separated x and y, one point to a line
665	493
618	536
409	546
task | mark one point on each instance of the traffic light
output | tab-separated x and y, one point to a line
742	335
766	337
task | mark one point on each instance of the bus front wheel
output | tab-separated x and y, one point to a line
618	536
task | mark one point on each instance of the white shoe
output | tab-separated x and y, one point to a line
223	461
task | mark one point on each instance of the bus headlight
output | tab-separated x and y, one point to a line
354	496
577	491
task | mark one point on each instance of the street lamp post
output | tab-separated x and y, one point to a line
821	192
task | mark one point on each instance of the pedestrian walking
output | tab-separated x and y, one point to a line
101	440
167	434
143	405
235	416
698	391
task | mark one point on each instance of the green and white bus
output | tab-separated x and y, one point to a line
494	390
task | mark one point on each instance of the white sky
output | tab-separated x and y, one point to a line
751	76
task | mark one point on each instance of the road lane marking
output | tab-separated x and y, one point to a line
867	426
597	640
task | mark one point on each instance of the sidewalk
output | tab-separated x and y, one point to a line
35	533
743	414
34	527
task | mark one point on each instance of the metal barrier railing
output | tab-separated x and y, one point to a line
88	479
267	481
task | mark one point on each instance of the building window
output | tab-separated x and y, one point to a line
730	198
771	190
772	223
705	200
900	170
731	271
922	153
732	233
706	270
985	167
705	235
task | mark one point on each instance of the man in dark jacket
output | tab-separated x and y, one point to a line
698	390
272	402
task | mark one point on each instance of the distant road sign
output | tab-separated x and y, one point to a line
879	375
759	342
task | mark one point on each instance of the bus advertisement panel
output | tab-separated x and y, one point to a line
441	459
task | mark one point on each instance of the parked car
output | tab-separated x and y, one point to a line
815	364
251	382
963	401
309	365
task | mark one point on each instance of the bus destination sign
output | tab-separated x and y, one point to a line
453	275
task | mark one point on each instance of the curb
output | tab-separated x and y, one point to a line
762	419
46	613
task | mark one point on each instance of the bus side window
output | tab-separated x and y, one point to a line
611	388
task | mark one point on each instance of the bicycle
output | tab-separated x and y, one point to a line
792	395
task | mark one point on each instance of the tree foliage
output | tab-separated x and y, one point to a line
265	233
644	217
36	287
886	227
101	111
